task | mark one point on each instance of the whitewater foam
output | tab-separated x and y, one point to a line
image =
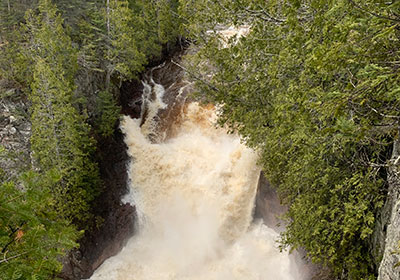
195	195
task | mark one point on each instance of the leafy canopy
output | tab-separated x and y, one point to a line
314	87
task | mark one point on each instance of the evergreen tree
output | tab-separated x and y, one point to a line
108	112
32	235
123	55
60	137
120	37
59	58
15	70
314	87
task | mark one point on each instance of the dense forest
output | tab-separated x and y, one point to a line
314	87
68	60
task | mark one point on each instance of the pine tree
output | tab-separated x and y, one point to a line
108	112
43	55
32	235
60	137
123	54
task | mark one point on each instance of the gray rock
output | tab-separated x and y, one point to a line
391	256
12	130
15	131
387	269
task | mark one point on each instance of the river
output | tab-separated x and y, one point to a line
194	186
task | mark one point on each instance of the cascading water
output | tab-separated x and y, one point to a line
194	192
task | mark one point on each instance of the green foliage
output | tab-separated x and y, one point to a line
314	88
32	235
135	32
15	64
108	111
117	38
159	23
60	137
123	52
11	14
49	41
69	62
14	61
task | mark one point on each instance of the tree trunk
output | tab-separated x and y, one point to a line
108	17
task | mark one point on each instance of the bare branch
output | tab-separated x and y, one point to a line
195	76
396	161
383	115
13	257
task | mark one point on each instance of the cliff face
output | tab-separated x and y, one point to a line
15	131
107	240
269	209
267	205
391	212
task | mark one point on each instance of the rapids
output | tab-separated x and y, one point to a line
194	190
195	194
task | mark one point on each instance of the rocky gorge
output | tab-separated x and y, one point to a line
119	218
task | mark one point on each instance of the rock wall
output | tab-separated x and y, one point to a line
269	209
107	240
15	131
391	211
267	205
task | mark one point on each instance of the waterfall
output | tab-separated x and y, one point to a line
194	188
